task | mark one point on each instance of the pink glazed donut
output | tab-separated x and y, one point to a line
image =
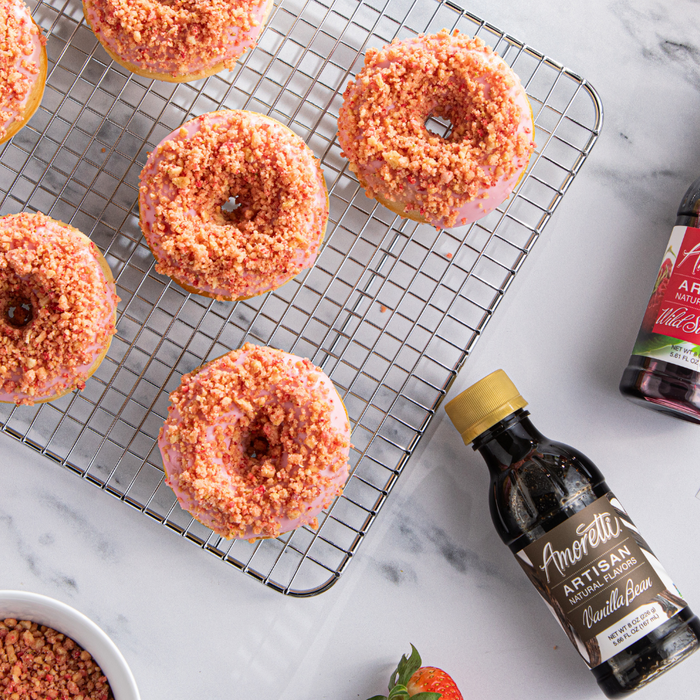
446	182
256	443
57	308
22	67
177	40
276	229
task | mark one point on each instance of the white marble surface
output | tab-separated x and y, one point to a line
432	571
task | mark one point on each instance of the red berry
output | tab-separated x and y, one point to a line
428	679
410	678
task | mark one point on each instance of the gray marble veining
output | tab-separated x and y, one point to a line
433	572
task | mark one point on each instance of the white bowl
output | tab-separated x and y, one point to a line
61	617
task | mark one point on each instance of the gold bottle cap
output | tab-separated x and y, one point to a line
484	404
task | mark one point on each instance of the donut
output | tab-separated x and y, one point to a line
180	40
444	181
256	443
57	308
281	211
22	67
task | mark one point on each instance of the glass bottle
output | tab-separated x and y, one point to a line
663	372
550	504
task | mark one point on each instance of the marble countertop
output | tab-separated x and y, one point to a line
432	571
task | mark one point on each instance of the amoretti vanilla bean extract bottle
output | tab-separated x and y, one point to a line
576	543
664	370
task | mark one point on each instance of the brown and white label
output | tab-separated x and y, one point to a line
601	580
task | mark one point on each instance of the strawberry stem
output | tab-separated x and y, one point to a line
406	668
400	677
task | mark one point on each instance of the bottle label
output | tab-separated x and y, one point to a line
600	580
670	329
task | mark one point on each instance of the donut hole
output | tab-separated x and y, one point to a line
230	205
240	207
455	119
18	311
439	125
263	451
258	447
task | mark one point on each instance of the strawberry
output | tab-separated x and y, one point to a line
411	680
657	296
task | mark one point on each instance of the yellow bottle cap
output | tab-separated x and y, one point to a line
484	404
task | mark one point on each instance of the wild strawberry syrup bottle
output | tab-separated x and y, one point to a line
576	543
664	370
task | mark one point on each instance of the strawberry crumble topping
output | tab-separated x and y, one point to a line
443	180
256	443
273	232
177	37
21	48
36	662
57	308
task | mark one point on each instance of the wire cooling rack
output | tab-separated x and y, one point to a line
391	309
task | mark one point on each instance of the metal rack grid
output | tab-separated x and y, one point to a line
391	309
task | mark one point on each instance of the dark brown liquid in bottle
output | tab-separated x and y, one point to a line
537	484
657	384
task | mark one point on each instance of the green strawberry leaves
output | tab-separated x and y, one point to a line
652	343
400	692
399	679
406	668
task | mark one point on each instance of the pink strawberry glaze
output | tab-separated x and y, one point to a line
246	284
333	474
27	64
87	266
145	44
469	207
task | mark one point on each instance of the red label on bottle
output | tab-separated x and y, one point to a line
679	312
